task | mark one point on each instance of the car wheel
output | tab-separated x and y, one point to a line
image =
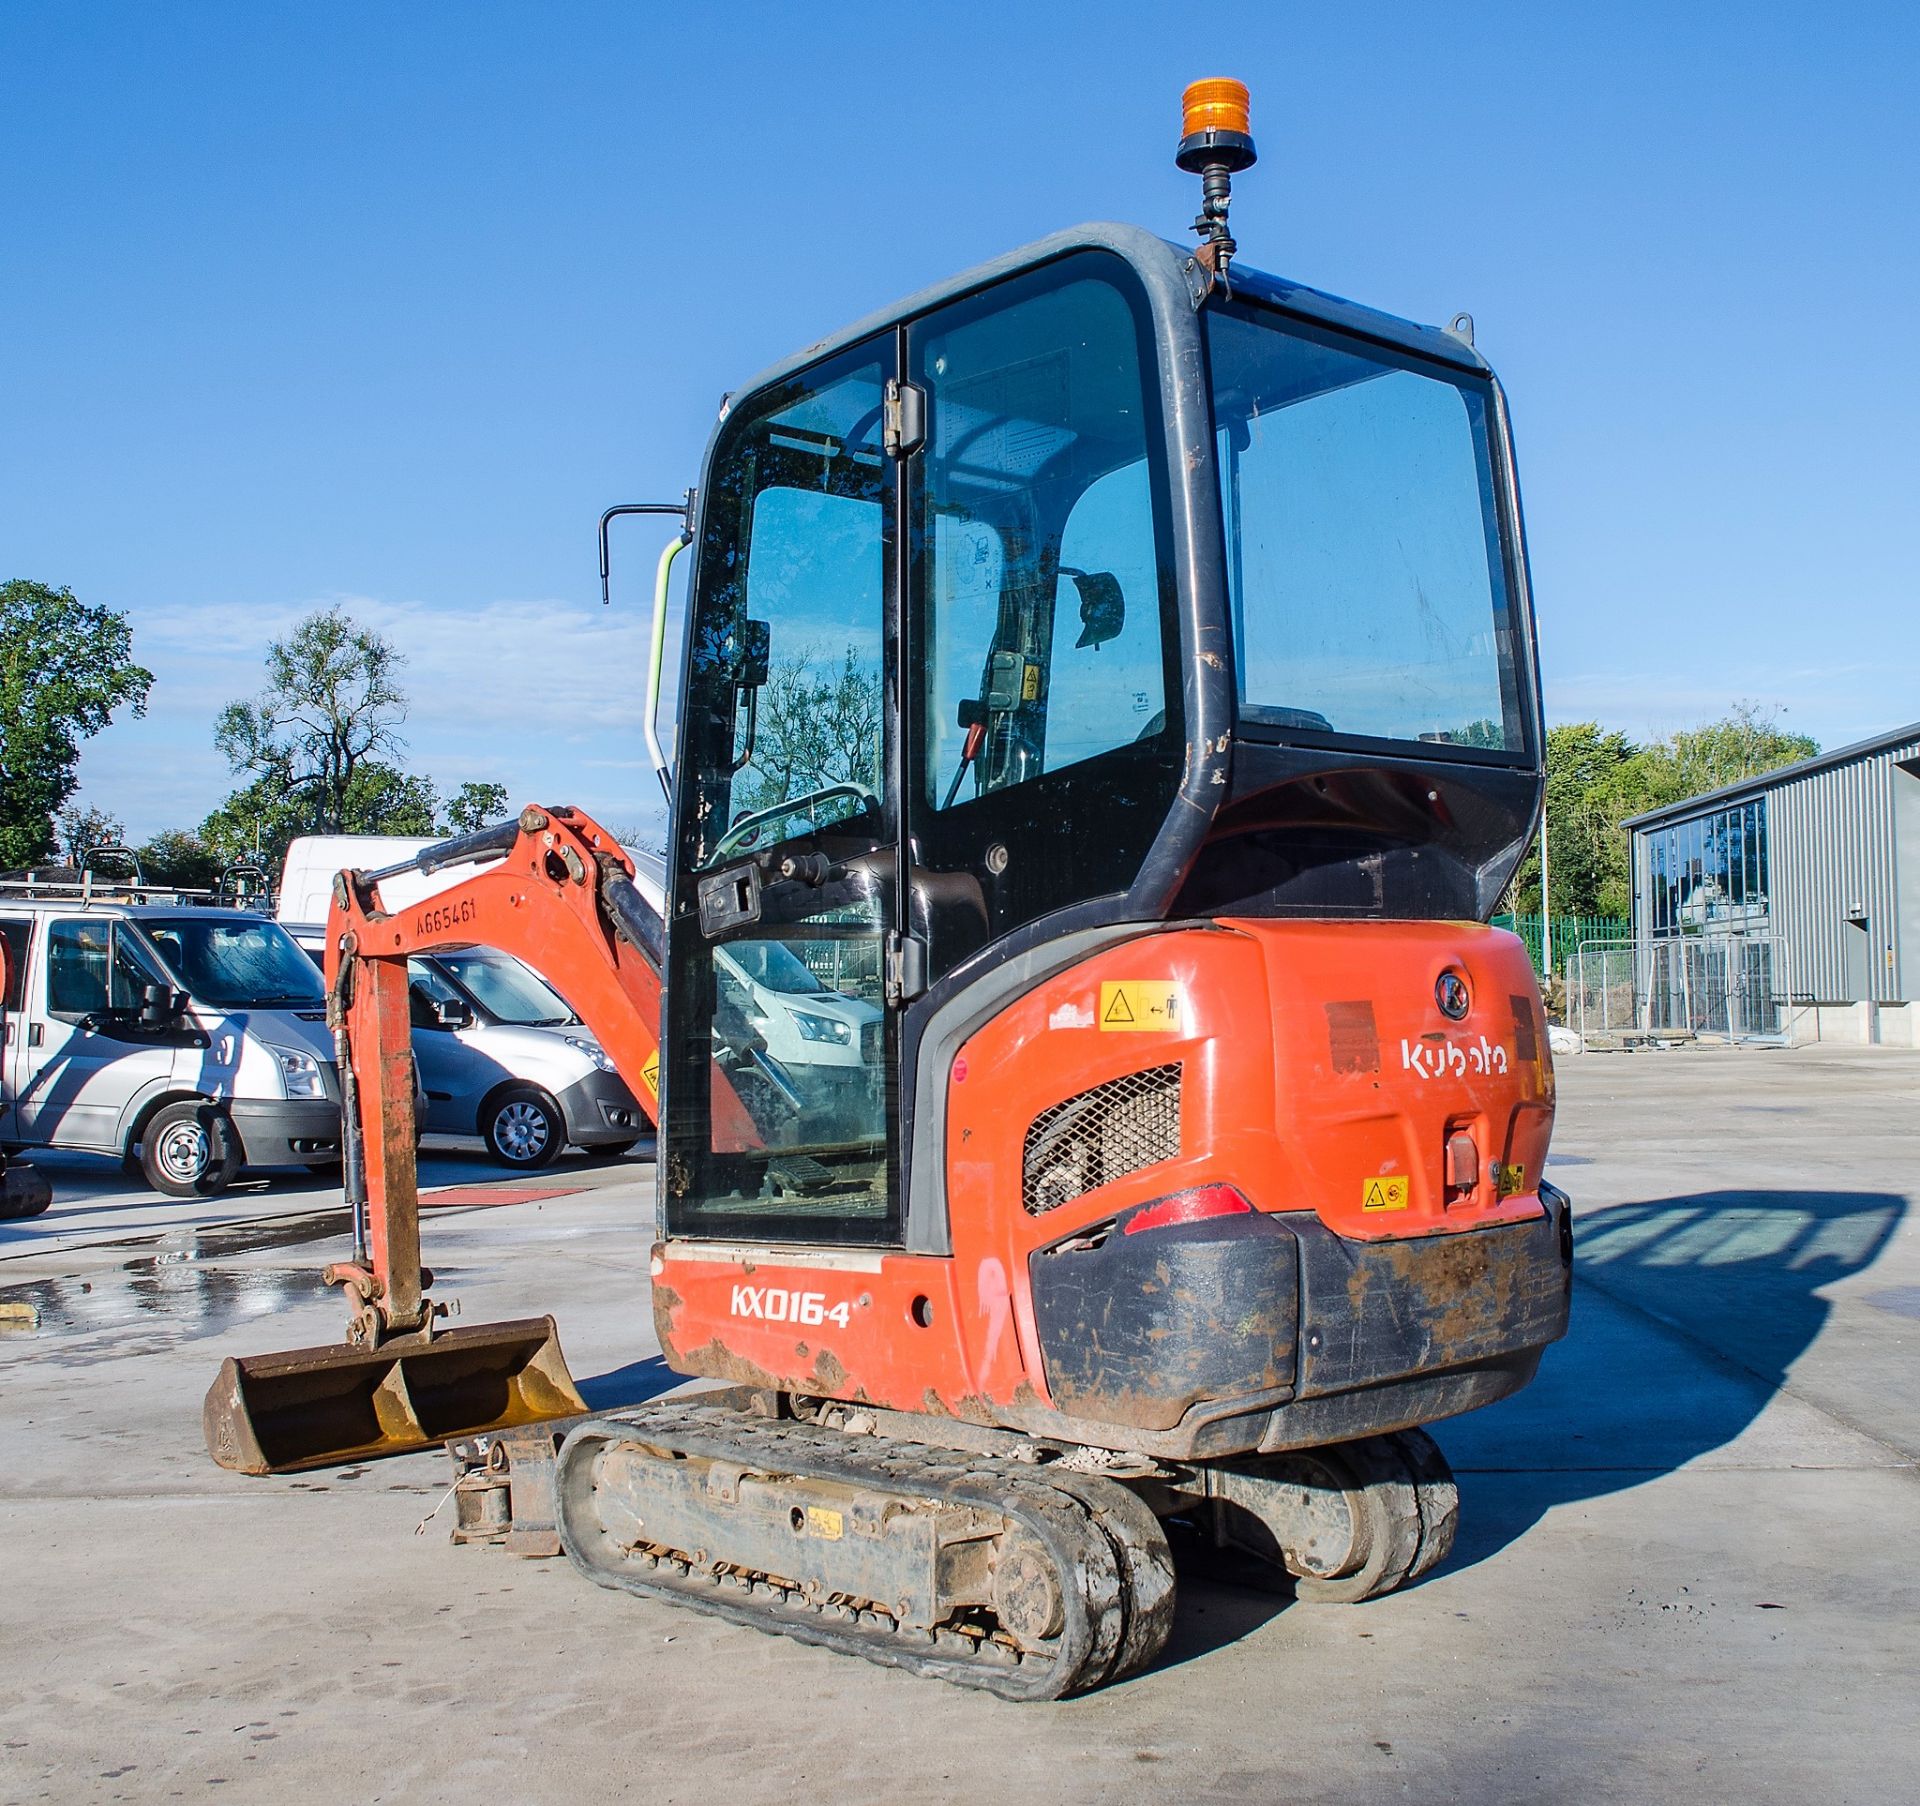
523	1127
189	1150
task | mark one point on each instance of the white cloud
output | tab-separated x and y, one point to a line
533	694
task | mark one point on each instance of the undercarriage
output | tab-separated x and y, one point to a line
1030	1569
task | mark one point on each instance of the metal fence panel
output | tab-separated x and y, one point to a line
1726	987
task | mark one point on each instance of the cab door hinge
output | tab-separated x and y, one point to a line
903	427
906	974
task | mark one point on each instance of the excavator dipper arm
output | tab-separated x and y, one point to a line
554	889
558	892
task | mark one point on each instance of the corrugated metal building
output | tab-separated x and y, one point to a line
1816	867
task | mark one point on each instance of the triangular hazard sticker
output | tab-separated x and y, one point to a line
1118	1010
1376	1198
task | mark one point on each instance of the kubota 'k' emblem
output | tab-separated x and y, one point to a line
1450	992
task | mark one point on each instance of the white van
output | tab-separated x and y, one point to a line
189	1038
501	1054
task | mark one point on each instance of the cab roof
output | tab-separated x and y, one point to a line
1163	265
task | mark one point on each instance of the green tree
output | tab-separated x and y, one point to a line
258	821
320	749
1597	778
475	806
174	856
1583	760
64	669
332	706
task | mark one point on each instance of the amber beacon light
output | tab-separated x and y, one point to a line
1216	142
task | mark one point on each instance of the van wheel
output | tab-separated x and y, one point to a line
523	1127
189	1150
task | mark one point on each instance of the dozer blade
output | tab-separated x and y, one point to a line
321	1407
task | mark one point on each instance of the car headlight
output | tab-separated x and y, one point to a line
300	1073
593	1050
821	1028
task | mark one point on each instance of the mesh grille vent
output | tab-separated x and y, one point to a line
1099	1136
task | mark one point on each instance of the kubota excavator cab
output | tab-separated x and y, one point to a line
1125	679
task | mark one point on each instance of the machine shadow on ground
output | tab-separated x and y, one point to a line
632	1384
1737	1274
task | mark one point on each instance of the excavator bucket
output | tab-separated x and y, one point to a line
321	1407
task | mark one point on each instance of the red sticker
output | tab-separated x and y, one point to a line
960	1072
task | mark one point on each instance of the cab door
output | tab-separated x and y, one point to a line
787	824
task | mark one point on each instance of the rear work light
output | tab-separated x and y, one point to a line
1188	1207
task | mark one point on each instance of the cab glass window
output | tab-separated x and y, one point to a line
1044	637
1042	625
1365	572
785	720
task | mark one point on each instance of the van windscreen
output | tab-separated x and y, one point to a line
237	962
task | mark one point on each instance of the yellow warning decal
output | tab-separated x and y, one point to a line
824	1522
1508	1180
1386	1192
1030	684
650	1075
1143	1003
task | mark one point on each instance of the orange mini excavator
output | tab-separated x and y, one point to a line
1089	1092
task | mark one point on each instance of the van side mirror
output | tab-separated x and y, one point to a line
159	1005
450	1012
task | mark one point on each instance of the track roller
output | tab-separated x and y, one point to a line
1350	1521
1027	1582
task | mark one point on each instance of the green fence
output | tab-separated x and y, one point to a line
1568	933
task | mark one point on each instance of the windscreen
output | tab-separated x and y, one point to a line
1365	574
237	962
506	989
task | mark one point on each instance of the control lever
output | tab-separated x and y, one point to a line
969	751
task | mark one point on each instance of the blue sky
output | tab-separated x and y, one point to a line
385	304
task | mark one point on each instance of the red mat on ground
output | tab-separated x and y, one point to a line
460	1196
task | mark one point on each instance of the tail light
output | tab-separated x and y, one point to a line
1194	1206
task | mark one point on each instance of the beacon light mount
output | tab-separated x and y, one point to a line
1216	143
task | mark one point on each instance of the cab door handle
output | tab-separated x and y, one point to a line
35	1033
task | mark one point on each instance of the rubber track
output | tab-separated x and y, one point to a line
1115	1576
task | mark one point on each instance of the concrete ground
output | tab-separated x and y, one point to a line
1686	1569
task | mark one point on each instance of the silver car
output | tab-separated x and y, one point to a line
503	1056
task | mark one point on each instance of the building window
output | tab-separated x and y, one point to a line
1709	875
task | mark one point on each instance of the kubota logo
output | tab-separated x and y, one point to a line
1437	1059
